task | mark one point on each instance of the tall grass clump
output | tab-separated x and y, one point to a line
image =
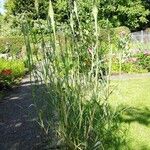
76	83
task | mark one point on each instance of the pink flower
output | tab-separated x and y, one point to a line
133	60
147	52
135	51
122	33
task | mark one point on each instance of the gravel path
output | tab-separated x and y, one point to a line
18	127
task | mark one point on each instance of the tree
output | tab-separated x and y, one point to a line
15	7
146	3
133	14
128	13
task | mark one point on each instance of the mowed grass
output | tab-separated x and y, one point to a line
134	96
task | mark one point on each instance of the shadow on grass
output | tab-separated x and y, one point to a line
140	115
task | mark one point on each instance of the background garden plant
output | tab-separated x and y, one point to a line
10	72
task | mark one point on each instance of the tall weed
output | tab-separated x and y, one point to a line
76	84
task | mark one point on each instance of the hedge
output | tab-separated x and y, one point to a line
11	44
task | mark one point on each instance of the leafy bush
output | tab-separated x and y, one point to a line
147	30
122	39
6	78
144	59
119	38
11	44
126	67
113	33
124	29
10	70
104	33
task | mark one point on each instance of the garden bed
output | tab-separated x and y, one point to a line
11	72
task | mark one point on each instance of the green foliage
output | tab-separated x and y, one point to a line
119	37
146	4
17	67
11	44
15	7
124	13
10	70
6	78
69	72
126	67
121	29
132	14
144	60
10	26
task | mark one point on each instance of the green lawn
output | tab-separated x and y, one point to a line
134	94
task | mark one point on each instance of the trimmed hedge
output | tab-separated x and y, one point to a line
113	33
121	29
11	44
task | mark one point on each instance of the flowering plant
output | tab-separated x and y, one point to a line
144	59
6	72
6	78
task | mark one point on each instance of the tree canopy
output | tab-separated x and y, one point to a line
134	14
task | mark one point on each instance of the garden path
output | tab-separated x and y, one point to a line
130	76
18	127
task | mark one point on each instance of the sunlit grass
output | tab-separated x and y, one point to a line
139	136
135	96
131	92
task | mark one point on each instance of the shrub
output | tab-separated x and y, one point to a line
113	33
129	66
104	33
144	59
11	44
121	29
10	71
6	78
119	38
147	30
